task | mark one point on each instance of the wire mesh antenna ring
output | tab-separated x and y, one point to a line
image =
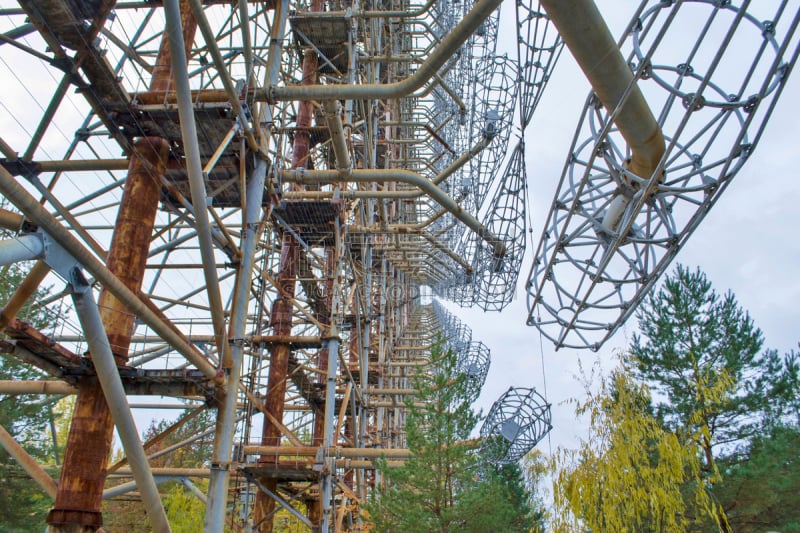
495	277
493	116
538	47
517	421
473	363
610	233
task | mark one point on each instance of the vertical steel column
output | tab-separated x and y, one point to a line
282	307
223	437
278	370
318	431
326	491
80	489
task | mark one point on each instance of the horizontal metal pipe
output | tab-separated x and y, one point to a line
449	46
42	218
311	451
313	341
12	388
403	176
22	248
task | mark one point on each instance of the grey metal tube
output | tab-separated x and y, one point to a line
333	118
42	218
113	390
223	436
16	387
22	248
405	176
330	409
28	463
194	166
587	36
123	488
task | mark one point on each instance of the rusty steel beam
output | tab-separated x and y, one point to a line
86	456
278	370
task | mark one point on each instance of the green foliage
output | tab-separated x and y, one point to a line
629	474
701	353
717	389
185	511
714	450
26	418
445	485
759	487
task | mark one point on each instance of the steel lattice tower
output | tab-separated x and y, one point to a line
250	207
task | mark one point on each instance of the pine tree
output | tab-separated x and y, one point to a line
693	341
446	486
717	390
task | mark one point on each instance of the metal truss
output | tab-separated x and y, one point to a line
660	139
244	210
252	203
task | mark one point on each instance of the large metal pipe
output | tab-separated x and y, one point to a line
22	248
36	387
223	437
587	36
449	45
111	383
404	176
333	118
330	406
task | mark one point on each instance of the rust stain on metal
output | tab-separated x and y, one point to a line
89	443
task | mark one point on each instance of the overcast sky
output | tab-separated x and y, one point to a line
748	243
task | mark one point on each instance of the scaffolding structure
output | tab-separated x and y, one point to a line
252	207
